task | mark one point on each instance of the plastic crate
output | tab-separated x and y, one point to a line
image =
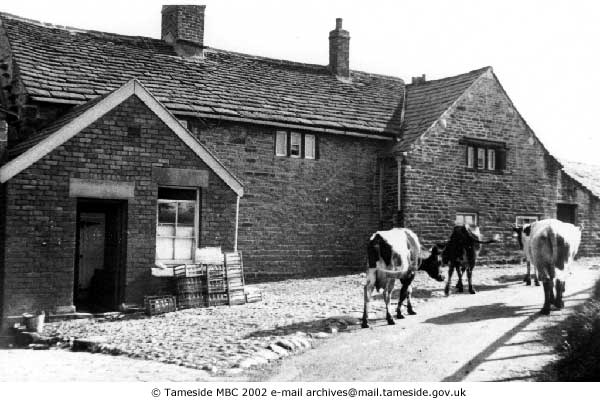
159	304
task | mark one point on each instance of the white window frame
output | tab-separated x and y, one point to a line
521	220
281	139
310	152
460	218
470	156
196	228
481	158
491	159
296	136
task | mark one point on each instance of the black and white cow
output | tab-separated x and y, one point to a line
396	254
523	233
461	254
552	248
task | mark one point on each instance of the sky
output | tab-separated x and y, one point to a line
546	54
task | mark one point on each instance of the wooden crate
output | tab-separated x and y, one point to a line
235	277
159	304
191	300
189	270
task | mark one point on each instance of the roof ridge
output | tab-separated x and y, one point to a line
481	69
68	28
138	38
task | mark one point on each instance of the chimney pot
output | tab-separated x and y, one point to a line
339	51
418	79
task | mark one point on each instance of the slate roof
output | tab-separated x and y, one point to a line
587	175
70	65
426	102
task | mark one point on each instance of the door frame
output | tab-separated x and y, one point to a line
118	208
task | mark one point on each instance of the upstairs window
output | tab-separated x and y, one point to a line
296	145
177	224
281	143
469	219
484	155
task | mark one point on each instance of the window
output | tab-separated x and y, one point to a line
296	145
480	158
491	159
309	147
466	218
525	219
484	155
470	156
281	143
177	224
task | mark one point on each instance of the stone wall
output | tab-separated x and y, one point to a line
438	184
299	216
40	224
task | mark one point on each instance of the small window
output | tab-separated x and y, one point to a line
469	219
470	156
295	144
309	147
525	219
491	159
480	158
177	224
281	143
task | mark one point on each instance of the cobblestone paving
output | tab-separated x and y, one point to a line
292	316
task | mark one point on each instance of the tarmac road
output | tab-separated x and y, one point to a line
495	335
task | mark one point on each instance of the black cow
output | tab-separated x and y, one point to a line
461	254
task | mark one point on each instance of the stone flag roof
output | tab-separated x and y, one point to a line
426	102
59	64
587	175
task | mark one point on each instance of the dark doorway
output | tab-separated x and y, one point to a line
566	212
100	254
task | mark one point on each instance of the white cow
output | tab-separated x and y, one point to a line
552	248
396	254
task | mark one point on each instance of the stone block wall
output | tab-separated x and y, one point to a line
40	217
438	184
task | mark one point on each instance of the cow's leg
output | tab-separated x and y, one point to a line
409	308
560	289
450	271
405	293
548	296
387	296
470	279
369	286
535	276
528	276
459	284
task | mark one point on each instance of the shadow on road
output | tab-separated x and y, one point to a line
479	313
494	311
340	323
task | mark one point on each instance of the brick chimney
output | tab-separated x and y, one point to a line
339	51
183	27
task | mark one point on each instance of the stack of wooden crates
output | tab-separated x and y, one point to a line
217	281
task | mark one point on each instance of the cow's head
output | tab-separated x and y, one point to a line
433	264
519	232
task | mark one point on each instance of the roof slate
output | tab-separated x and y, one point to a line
426	102
60	64
587	175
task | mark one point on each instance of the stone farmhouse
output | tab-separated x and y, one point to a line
118	152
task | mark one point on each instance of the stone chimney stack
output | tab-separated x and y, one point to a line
183	27
339	51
